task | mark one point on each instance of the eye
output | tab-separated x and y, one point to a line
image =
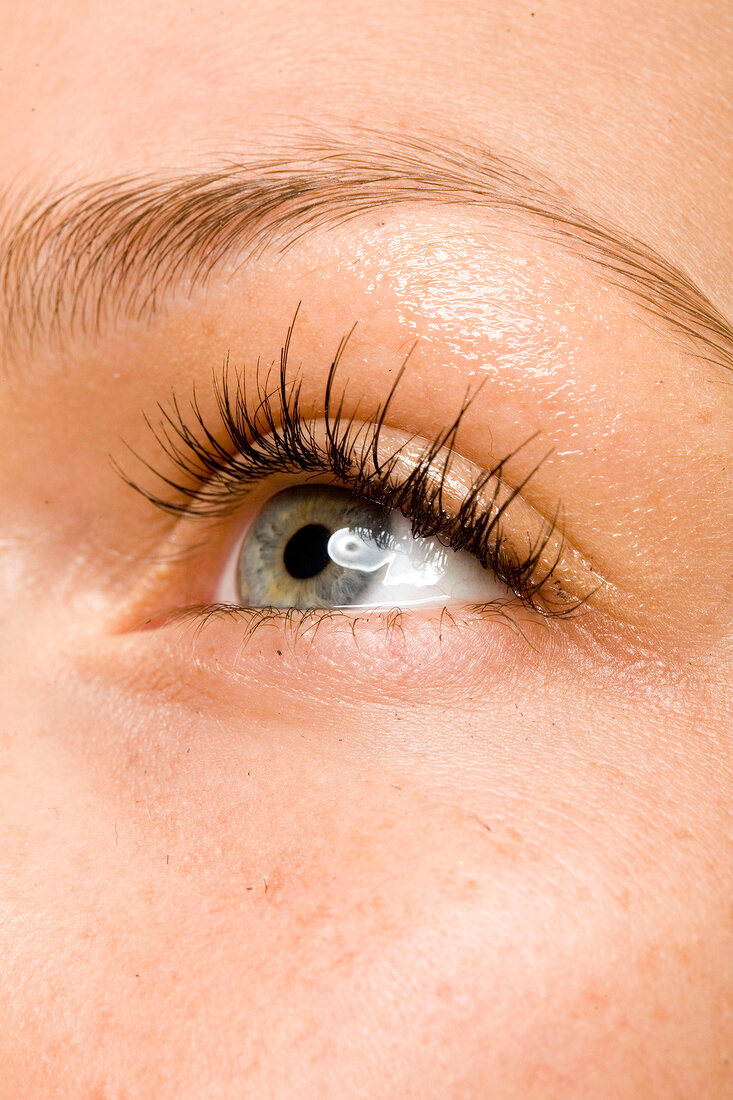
320	546
404	521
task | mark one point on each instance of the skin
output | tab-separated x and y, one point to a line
488	856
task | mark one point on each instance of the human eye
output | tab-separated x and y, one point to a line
320	546
316	511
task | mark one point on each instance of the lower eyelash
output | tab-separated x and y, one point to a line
268	435
297	624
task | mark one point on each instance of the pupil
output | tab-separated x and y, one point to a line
306	554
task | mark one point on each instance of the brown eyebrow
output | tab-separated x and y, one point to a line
92	254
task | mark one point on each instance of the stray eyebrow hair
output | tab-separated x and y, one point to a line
93	254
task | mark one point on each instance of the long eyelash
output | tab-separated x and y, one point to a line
254	439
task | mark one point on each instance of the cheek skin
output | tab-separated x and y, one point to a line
447	894
529	931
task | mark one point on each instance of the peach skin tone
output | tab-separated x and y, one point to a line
366	572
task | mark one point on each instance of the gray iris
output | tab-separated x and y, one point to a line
285	560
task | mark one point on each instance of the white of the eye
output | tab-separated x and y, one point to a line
419	570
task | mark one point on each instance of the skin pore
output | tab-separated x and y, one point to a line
485	854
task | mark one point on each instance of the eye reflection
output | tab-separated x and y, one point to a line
320	546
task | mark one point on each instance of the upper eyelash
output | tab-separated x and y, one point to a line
270	436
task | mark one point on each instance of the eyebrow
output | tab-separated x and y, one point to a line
94	254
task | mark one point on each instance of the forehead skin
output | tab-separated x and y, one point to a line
627	106
391	949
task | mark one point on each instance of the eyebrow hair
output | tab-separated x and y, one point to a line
93	254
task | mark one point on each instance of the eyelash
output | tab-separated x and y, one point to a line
268	436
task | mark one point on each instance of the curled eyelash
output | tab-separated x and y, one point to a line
265	434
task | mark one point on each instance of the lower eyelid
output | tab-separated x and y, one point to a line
263	644
423	660
417	658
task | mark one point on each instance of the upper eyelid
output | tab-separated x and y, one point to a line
141	237
252	425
